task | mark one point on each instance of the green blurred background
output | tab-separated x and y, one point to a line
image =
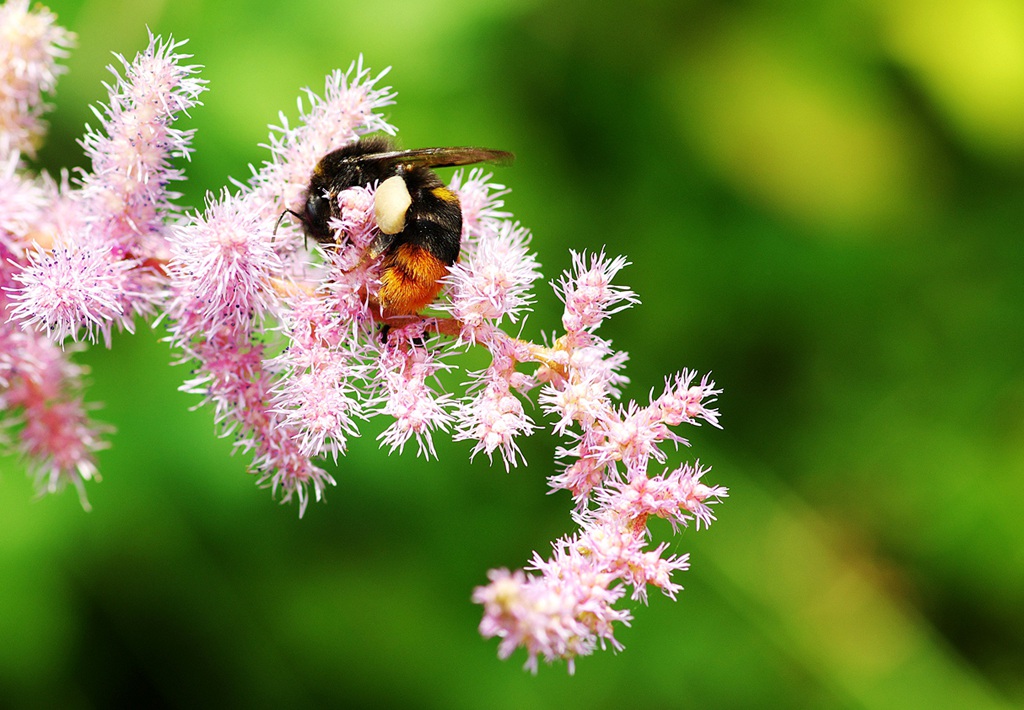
822	204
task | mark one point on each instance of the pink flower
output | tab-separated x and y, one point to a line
482	202
72	289
223	264
39	392
582	391
317	388
493	419
32	44
280	465
233	378
320	402
405	372
495	416
678	496
61	442
569	607
230	273
552	617
357	223
586	469
684	402
131	153
494	280
589	295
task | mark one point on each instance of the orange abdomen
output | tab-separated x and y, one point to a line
409	281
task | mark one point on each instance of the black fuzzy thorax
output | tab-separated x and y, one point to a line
431	222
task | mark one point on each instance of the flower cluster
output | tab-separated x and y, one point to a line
567	609
290	348
84	256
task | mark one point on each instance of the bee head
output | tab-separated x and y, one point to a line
314	218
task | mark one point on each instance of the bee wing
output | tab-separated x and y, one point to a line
440	157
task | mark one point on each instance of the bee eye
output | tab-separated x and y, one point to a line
317	209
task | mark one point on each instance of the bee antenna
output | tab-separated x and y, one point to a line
280	219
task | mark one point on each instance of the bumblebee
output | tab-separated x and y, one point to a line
419	219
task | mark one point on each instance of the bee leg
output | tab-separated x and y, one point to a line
380	244
416	341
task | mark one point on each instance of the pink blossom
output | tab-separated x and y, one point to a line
589	295
320	403
678	496
586	468
316	391
131	153
494	280
494	417
482	202
73	288
224	263
568	608
40	388
229	273
356	223
32	44
582	390
406	371
685	402
281	466
40	396
233	378
552	617
61	442
632	436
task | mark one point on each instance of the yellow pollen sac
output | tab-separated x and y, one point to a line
443	193
390	203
